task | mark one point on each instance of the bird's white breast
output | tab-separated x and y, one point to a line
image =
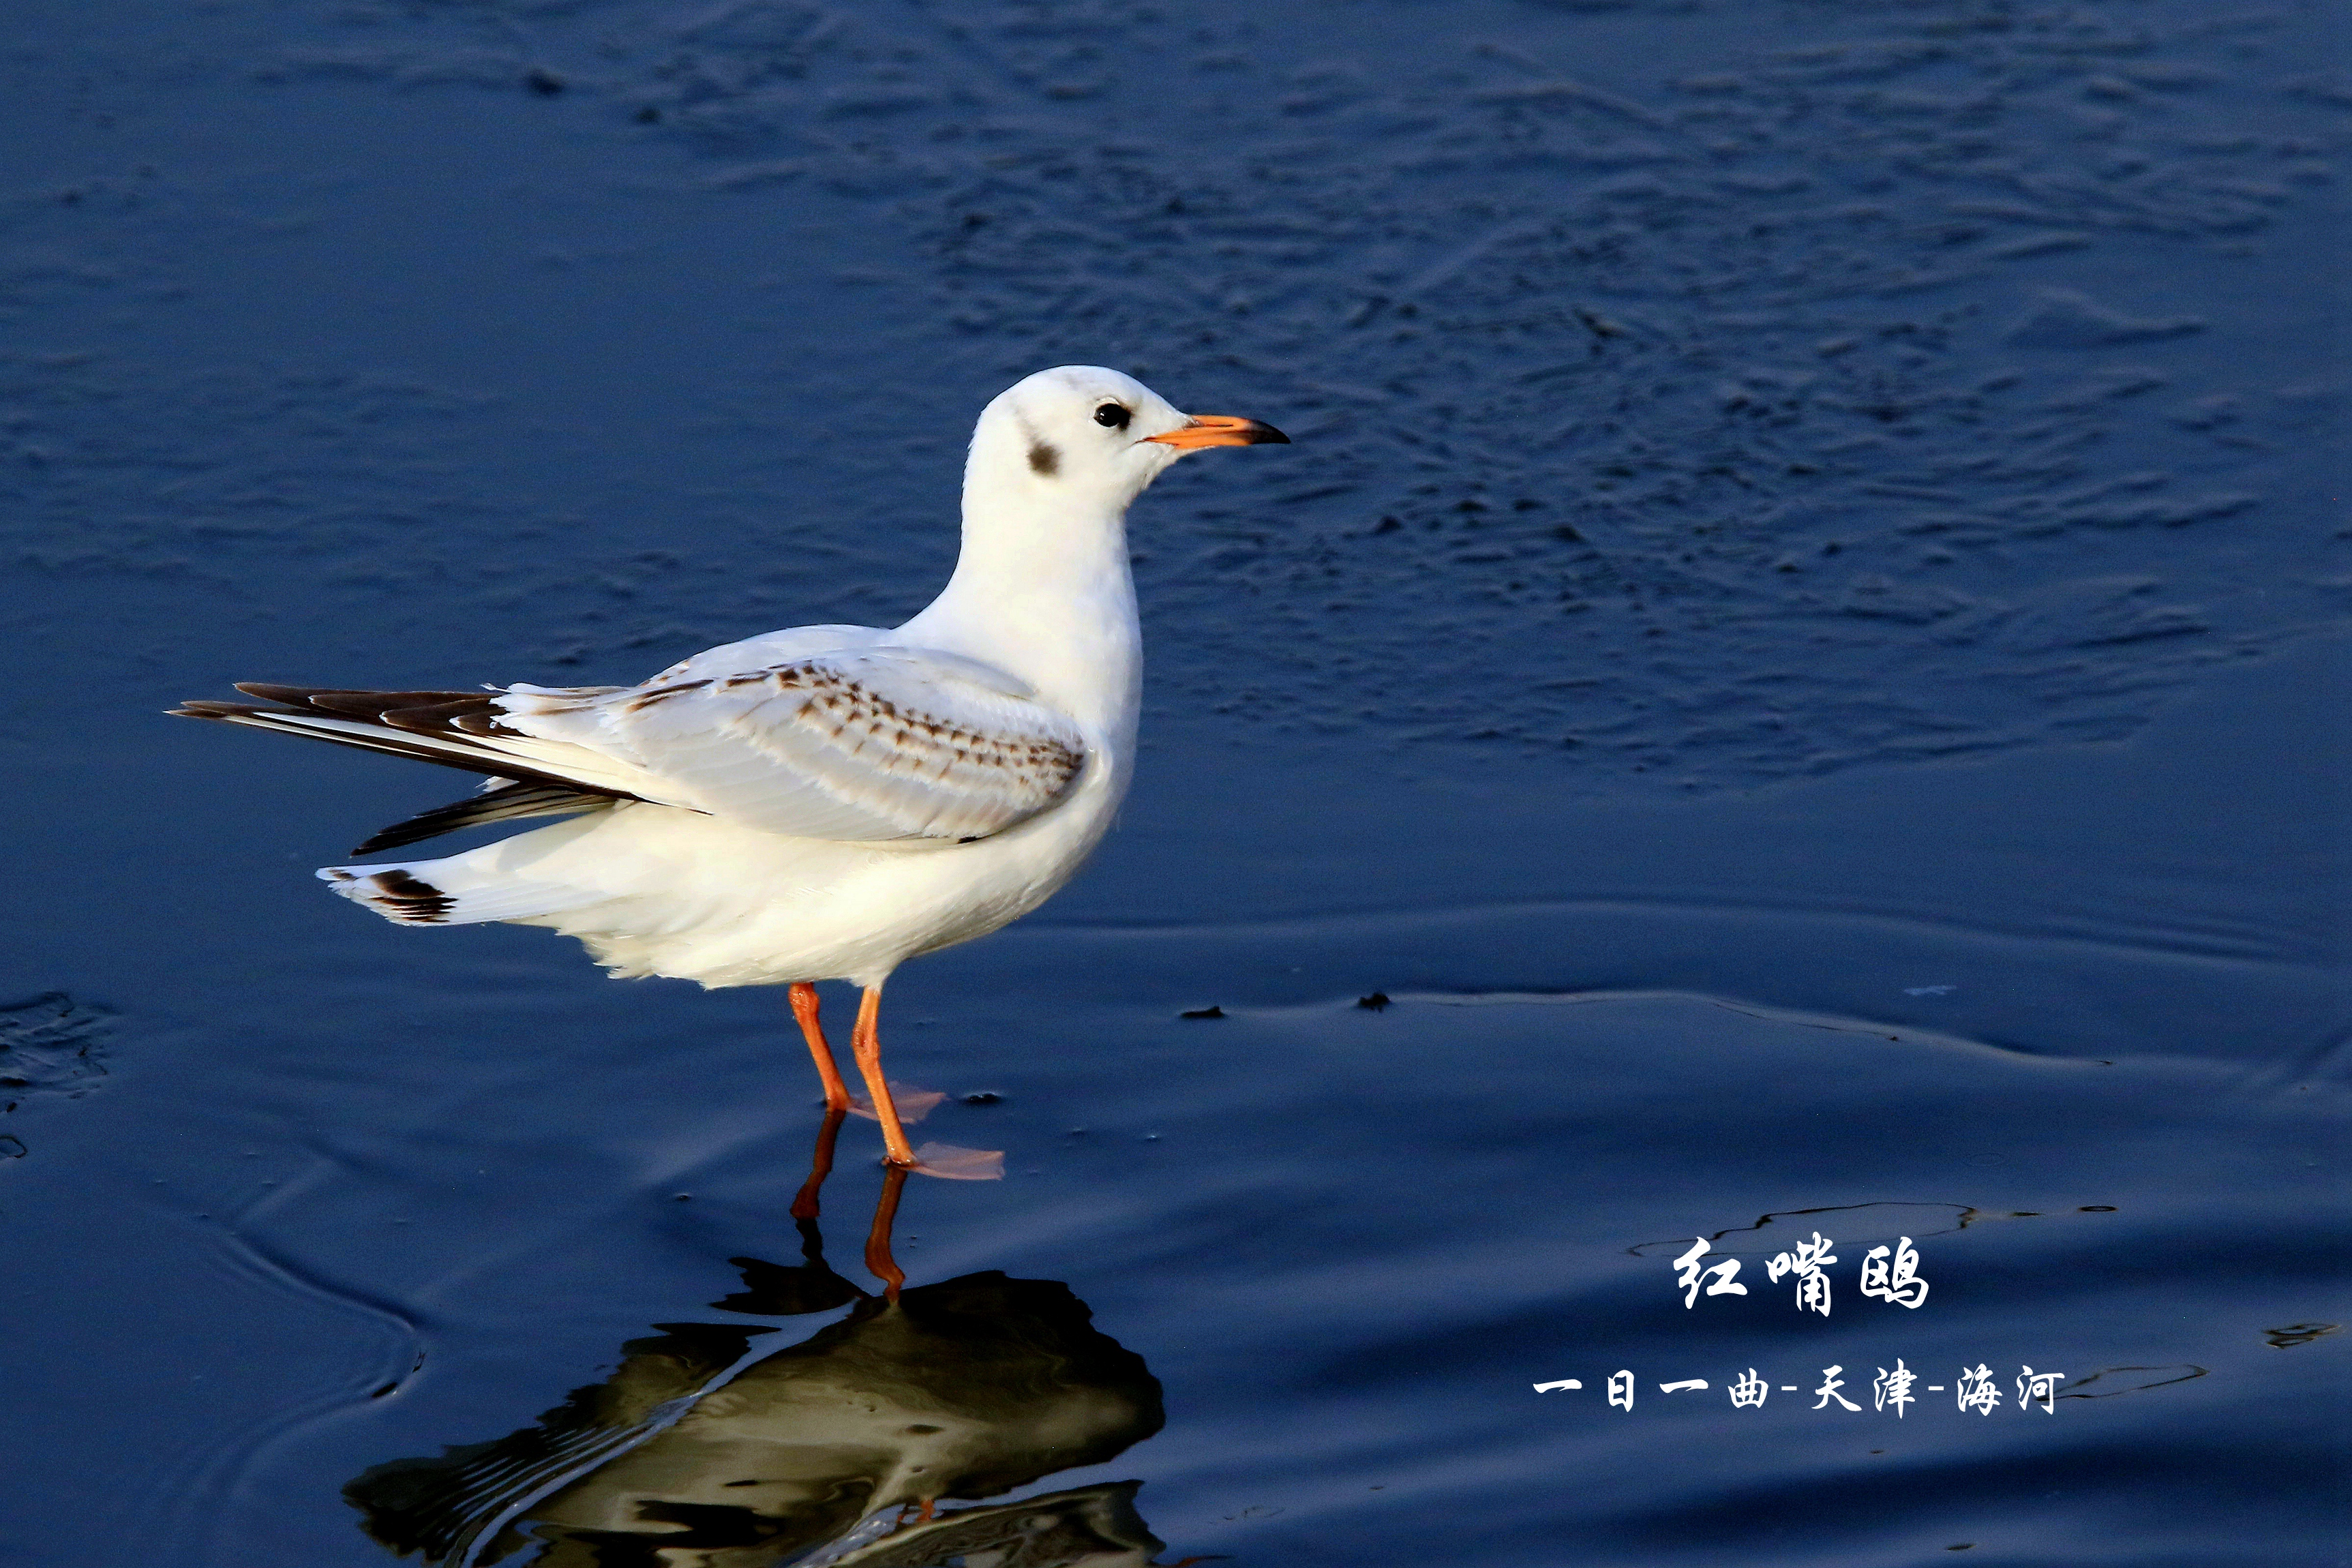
695	896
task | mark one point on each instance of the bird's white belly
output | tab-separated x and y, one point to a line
693	897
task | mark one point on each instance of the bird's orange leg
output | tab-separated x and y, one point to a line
879	1261
866	1042
804	1005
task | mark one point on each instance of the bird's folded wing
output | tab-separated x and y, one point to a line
860	744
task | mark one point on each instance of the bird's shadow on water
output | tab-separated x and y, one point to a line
836	1450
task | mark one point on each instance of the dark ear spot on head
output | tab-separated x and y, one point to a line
1044	460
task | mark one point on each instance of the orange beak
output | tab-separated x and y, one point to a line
1219	430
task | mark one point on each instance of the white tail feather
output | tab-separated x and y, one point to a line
491	883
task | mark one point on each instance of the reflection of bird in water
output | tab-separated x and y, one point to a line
825	802
702	1452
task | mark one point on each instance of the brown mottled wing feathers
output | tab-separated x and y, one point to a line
880	743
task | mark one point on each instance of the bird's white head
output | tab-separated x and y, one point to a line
1083	438
1042	587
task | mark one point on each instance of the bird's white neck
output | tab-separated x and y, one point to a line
1043	591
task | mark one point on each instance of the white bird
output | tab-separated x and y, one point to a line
824	802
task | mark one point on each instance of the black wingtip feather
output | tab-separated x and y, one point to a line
400	718
501	805
292	695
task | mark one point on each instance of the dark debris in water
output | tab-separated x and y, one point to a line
1886	1218
1376	1001
2133	1379
2297	1334
1209	1012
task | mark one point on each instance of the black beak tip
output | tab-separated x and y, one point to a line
1261	434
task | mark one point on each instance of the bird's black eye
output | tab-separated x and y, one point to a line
1112	415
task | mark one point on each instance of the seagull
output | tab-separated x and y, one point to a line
822	802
